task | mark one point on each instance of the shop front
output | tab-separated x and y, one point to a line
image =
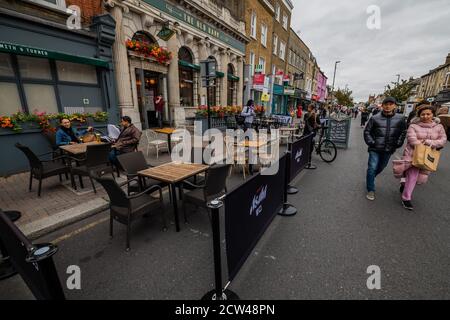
159	47
47	71
279	100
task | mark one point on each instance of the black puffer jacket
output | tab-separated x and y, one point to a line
385	133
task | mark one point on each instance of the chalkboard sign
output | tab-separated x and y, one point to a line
339	132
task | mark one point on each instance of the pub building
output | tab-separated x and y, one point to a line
191	31
46	67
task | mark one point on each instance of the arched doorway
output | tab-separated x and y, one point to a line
149	85
186	77
231	86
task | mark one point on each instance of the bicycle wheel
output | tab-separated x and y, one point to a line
327	150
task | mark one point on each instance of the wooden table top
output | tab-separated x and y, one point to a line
174	172
288	129
165	130
78	148
252	143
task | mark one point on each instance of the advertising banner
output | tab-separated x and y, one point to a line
299	155
249	210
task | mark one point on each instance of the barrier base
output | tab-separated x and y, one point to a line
13	215
6	269
291	190
287	210
227	295
311	167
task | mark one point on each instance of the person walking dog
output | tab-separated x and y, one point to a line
424	129
384	133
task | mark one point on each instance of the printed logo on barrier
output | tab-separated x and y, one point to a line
430	158
258	198
298	155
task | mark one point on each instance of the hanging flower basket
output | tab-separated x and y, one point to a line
152	51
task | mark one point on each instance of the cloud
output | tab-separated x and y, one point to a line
413	39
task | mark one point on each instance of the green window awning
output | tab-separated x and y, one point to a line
232	77
220	74
48	54
188	65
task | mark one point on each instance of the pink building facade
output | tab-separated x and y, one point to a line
321	86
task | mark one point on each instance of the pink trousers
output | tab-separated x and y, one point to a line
410	183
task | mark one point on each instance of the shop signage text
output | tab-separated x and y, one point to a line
179	14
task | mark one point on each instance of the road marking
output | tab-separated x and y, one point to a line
78	231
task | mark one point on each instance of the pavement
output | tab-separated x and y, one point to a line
323	252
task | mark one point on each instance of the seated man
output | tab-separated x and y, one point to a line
66	134
126	142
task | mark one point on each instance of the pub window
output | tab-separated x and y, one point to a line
75	72
186	78
30	84
231	87
214	89
9	92
143	36
55	4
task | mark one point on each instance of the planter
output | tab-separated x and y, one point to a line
221	123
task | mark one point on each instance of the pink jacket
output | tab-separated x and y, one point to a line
431	134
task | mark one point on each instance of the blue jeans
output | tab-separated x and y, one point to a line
113	156
377	162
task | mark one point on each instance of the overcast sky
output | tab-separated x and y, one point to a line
414	38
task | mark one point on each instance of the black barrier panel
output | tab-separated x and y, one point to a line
299	155
38	269
249	210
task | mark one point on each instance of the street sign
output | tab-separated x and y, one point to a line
265	97
165	33
208	68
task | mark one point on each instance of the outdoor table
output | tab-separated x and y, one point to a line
168	132
78	148
251	144
289	130
174	173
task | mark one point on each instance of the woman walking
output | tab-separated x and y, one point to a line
364	117
426	129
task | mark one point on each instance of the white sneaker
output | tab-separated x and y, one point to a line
370	195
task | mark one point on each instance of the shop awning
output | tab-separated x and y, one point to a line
220	74
188	65
48	54
232	77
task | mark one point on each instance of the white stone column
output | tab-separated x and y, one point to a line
175	111
121	67
224	57
203	55
240	84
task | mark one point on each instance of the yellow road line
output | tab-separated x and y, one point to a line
75	232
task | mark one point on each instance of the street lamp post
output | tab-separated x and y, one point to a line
398	79
334	77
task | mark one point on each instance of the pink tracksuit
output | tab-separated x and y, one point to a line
432	134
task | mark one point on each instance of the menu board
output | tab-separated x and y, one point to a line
339	132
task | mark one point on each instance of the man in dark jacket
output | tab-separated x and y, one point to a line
127	141
384	133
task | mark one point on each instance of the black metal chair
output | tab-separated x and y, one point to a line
42	169
132	163
215	186
96	160
126	209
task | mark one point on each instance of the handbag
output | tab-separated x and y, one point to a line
425	157
399	167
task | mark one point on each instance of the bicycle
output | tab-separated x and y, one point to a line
325	148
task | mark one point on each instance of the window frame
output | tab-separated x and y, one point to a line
264	64
282	45
285	22
264	30
54	82
60	4
277	11
275	44
253	25
252	62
